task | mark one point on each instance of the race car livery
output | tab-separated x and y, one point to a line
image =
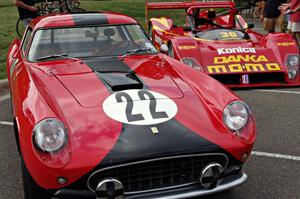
99	113
216	40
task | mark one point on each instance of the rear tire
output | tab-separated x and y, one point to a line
31	189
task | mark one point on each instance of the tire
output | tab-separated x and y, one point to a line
170	51
31	189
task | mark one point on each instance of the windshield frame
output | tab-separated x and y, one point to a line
245	38
33	34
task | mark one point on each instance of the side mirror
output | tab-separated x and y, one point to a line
164	48
250	25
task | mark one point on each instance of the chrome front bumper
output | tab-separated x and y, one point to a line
179	193
196	190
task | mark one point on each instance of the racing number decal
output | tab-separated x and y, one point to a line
130	116
136	117
228	34
152	105
139	107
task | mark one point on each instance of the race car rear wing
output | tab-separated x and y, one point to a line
186	5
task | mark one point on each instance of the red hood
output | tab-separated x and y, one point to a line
86	86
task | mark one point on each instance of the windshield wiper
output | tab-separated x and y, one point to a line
130	52
54	56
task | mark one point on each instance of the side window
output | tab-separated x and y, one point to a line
26	40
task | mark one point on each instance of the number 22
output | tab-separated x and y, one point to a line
129	107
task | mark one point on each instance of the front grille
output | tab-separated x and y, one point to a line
158	174
254	78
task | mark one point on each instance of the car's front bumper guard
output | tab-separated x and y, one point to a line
179	193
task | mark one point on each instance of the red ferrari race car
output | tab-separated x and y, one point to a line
218	41
99	113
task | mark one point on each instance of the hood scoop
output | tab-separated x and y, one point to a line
121	81
115	74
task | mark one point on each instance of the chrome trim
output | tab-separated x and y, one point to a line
207	169
203	192
152	160
102	187
160	189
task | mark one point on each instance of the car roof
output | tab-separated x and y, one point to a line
81	19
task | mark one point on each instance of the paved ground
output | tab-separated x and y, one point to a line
278	125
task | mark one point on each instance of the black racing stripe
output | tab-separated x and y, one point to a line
90	19
106	65
115	74
139	142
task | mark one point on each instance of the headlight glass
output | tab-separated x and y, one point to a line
191	63
292	73
236	115
293	61
50	135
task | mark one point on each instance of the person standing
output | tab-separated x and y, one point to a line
293	9
271	15
258	7
26	9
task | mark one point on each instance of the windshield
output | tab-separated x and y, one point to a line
85	42
221	35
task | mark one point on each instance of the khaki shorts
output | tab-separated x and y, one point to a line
294	26
270	24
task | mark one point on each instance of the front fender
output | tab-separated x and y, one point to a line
281	44
185	47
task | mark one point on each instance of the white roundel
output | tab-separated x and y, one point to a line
139	107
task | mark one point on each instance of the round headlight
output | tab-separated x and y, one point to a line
50	135
188	62
292	73
293	61
236	115
191	63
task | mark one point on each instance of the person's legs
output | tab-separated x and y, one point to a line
26	21
280	21
296	31
297	36
289	28
258	7
269	24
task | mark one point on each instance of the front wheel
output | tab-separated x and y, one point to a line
31	189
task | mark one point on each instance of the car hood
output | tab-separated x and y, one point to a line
88	78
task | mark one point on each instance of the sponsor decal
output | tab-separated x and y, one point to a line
140	107
245	79
242	63
223	51
186	47
286	44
